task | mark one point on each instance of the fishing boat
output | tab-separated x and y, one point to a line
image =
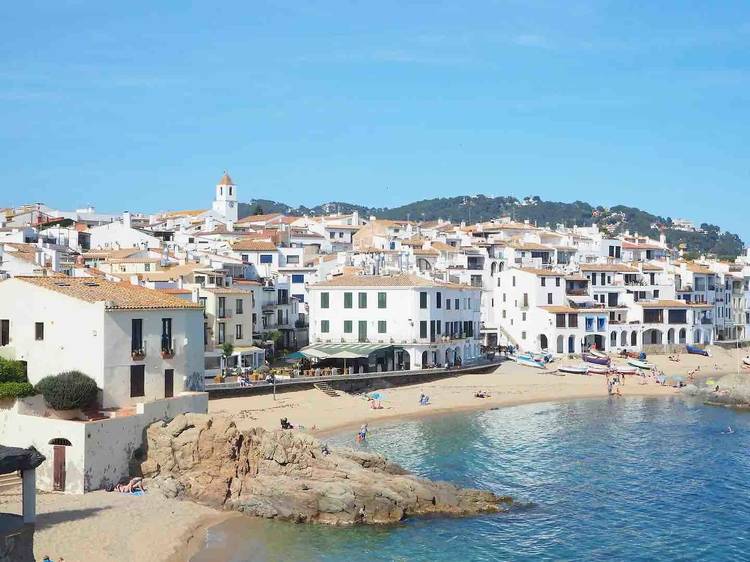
599	370
624	370
697	351
574	369
746	360
528	361
596	360
640	364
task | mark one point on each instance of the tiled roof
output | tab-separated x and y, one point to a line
698	268
404	280
561	309
640	246
442	246
119	295
226	179
253	246
25	252
541	272
663	304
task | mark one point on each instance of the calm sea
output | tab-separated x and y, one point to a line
618	479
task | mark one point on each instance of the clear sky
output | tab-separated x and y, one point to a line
141	106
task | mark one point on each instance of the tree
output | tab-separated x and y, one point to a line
71	390
226	352
13	381
258	210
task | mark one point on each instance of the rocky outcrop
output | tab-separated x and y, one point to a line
292	476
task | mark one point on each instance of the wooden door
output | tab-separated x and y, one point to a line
168	383
58	467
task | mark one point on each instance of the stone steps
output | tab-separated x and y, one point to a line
325	388
9	482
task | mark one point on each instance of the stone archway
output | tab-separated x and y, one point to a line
633	338
543	343
653	336
613	340
623	339
682	336
571	344
670	336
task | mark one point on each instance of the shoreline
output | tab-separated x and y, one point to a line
193	540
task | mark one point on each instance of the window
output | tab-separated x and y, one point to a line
293	260
362	300
324	300
523	317
300	298
382	299
222	336
447	304
455	302
423	329
381	327
325	326
557	281
572	320
238	306
282	296
559	320
39	331
222	312
136	334
544	281
348	326
4	332
523	335
298	278
438	300
362	331
137	380
238	331
423	299
504	313
266	258
348	300
514	281
549	298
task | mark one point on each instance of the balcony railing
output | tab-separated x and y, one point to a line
167	348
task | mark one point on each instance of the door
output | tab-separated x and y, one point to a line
58	467
362	330
168	383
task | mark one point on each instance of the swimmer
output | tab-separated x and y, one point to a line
729	430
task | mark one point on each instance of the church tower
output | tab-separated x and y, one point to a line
225	202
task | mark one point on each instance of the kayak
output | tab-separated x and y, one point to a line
640	364
597	360
574	369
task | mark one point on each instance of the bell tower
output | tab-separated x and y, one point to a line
225	201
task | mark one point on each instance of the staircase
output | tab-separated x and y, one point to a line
10	483
325	388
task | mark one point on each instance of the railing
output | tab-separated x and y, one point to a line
301	324
139	354
577	292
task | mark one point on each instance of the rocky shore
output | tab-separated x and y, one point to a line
292	476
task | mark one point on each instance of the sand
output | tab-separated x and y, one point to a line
114	527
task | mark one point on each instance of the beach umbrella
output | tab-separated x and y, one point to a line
294	357
377	396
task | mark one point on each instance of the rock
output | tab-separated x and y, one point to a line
287	475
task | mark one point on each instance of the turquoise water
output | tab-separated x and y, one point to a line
618	479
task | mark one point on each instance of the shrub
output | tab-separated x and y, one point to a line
16	390
68	391
12	371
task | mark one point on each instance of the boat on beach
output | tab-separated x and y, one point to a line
589	358
624	370
574	369
599	370
697	351
528	360
746	360
640	364
599	354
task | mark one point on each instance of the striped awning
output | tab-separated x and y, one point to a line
326	350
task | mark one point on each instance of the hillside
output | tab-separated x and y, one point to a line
705	239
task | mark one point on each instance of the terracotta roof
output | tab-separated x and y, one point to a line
442	246
25	252
651	267
530	246
404	280
425	252
640	246
175	291
698	268
663	304
614	267
225	179
259	218
190	213
253	246
225	290
120	295
561	309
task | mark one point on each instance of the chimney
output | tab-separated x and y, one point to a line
662	239
126	219
355	218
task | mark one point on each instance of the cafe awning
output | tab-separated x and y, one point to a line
342	350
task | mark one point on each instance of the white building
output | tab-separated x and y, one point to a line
225	201
399	321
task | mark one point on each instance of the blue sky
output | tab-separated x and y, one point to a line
142	105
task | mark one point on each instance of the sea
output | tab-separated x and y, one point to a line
651	479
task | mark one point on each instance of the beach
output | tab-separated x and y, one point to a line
153	528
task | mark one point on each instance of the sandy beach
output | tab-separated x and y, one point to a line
113	527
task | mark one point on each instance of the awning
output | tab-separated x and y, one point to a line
342	350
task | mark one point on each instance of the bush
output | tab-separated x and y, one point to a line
16	390
68	391
12	371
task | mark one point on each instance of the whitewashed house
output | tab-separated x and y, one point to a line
400	321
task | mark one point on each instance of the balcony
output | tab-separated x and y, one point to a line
301	324
139	353
167	348
577	292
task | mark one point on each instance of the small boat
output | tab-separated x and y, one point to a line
597	353
574	369
527	362
599	370
640	364
697	351
746	360
624	370
596	360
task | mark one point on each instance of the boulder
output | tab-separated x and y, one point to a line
291	476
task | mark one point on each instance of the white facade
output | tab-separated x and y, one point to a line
225	201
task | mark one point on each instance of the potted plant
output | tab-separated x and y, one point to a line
138	354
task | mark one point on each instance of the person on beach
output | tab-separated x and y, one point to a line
362	435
